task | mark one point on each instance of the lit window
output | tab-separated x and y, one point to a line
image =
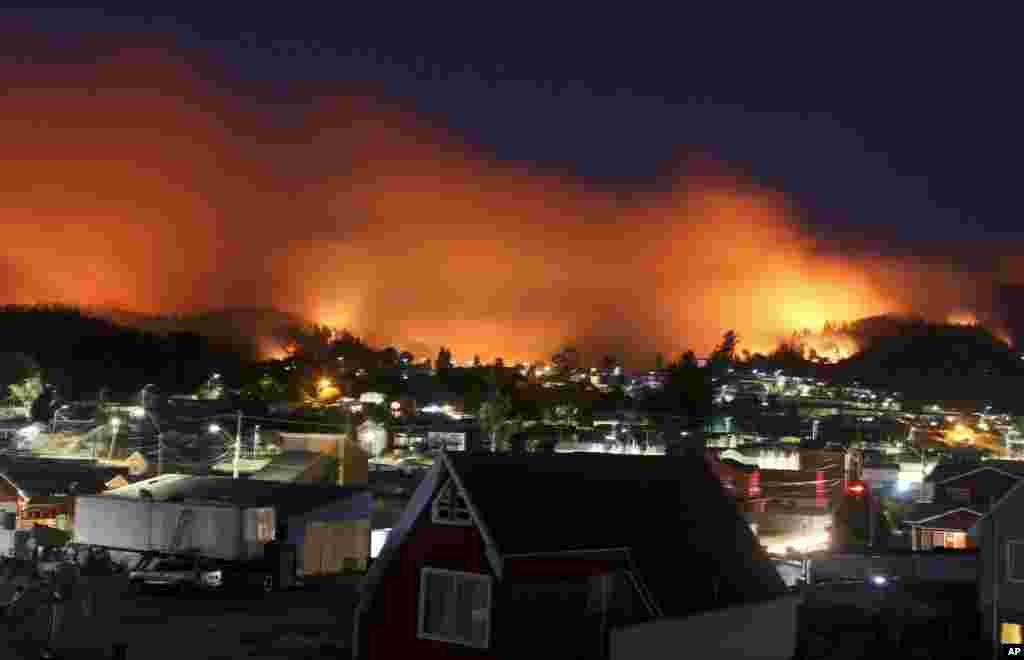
956	540
1010	633
450	507
455	607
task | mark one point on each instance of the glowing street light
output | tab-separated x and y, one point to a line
214	428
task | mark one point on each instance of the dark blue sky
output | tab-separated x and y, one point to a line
903	127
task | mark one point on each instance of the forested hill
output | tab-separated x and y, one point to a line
81	353
934	361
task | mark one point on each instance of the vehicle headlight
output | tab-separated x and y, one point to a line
213	577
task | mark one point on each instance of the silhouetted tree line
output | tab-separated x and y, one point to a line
80	354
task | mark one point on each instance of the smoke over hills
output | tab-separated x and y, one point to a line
135	183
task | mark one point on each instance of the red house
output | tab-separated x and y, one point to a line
961	493
501	556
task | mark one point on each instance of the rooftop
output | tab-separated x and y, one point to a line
286	498
38	477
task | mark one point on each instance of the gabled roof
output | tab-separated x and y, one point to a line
944	472
923	515
671	513
1005	498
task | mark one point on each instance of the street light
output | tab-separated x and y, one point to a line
214	428
115	424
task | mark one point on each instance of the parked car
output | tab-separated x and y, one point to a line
180	573
410	467
199	573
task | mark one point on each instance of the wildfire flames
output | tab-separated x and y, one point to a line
132	183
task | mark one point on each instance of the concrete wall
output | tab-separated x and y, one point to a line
763	631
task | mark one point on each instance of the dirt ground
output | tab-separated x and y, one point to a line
314	622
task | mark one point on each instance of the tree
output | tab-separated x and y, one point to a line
266	388
444	359
21	377
688	360
494	417
212	389
725	353
16	367
566	360
27	391
608	362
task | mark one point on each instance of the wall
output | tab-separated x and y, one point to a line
1009	527
390	627
764	631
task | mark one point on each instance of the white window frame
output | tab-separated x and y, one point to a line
1009	560
450	492
422	614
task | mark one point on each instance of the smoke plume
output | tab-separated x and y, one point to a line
136	183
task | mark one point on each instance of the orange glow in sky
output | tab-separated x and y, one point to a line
131	183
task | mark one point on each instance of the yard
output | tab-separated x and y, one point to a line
315	622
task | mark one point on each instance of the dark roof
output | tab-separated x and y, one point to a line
927	510
672	513
288	499
45	477
945	471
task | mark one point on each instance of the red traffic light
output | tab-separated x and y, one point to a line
856	488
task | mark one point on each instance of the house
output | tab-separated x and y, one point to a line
517	555
328	525
352	461
960	494
41	491
999	533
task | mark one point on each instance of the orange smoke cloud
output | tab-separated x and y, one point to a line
133	184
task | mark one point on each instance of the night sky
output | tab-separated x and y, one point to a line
505	181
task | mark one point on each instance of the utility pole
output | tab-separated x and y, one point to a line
238	444
255	440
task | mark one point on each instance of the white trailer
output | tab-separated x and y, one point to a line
210	529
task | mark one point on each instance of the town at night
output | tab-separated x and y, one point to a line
304	310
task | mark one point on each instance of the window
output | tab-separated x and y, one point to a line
938	539
450	507
1010	633
1015	561
956	540
455	607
